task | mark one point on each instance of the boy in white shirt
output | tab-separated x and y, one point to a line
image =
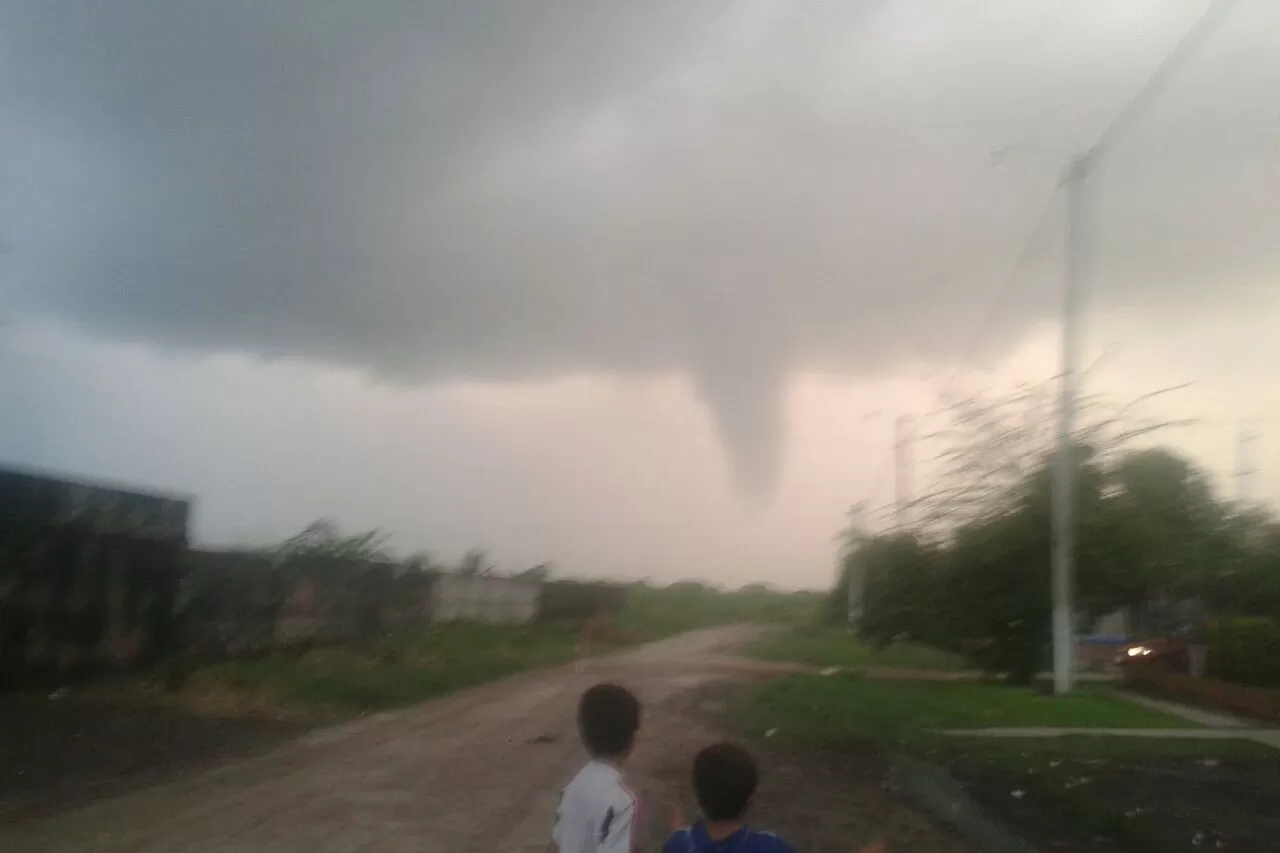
598	813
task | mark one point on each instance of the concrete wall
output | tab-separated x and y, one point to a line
93	576
484	599
568	601
240	603
87	576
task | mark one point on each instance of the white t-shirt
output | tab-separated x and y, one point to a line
597	812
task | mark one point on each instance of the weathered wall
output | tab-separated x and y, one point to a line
93	576
88	576
241	603
484	599
564	601
236	603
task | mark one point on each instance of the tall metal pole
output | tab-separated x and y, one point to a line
855	577
1064	479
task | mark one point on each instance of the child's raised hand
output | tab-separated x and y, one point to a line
877	846
677	818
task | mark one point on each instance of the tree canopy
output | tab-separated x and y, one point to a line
972	574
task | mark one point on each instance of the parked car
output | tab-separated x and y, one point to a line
1167	653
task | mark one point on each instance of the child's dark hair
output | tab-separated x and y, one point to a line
724	778
608	718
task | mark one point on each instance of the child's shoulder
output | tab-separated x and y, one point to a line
686	840
760	841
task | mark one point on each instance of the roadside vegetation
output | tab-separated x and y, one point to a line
400	670
970	573
654	612
827	645
425	663
1079	794
834	709
1138	795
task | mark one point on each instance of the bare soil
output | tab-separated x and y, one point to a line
63	752
480	770
1136	805
819	800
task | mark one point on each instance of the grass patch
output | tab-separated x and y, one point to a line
1143	794
830	709
824	645
656	612
429	662
1024	752
402	670
426	663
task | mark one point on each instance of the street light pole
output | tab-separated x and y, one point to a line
855	578
1067	461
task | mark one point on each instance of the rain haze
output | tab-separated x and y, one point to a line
637	288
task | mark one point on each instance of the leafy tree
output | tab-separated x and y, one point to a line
1158	527
1242	573
973	575
540	572
900	579
323	538
420	561
475	563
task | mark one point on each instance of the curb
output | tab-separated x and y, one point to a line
933	789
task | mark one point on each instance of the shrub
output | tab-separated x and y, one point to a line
1255	702
1245	651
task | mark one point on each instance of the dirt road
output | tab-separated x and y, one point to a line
480	770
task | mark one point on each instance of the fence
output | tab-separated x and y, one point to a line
93	576
484	599
244	603
88	576
236	603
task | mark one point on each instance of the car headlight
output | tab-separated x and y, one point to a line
1138	651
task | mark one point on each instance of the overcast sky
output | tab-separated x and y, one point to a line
634	287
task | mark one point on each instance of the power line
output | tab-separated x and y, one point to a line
1213	16
1000	298
1005	291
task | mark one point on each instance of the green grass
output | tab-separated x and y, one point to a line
427	663
656	612
1129	790
1023	752
830	709
402	670
821	645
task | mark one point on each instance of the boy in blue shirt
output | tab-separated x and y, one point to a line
724	781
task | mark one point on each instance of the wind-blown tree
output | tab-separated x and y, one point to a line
540	572
1243	564
900	579
323	538
973	575
1160	525
476	563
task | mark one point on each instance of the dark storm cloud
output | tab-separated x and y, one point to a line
509	190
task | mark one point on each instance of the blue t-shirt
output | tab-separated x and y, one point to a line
694	839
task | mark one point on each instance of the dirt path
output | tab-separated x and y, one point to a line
476	771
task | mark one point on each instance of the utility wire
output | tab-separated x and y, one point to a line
1212	18
1000	298
1005	292
1214	15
